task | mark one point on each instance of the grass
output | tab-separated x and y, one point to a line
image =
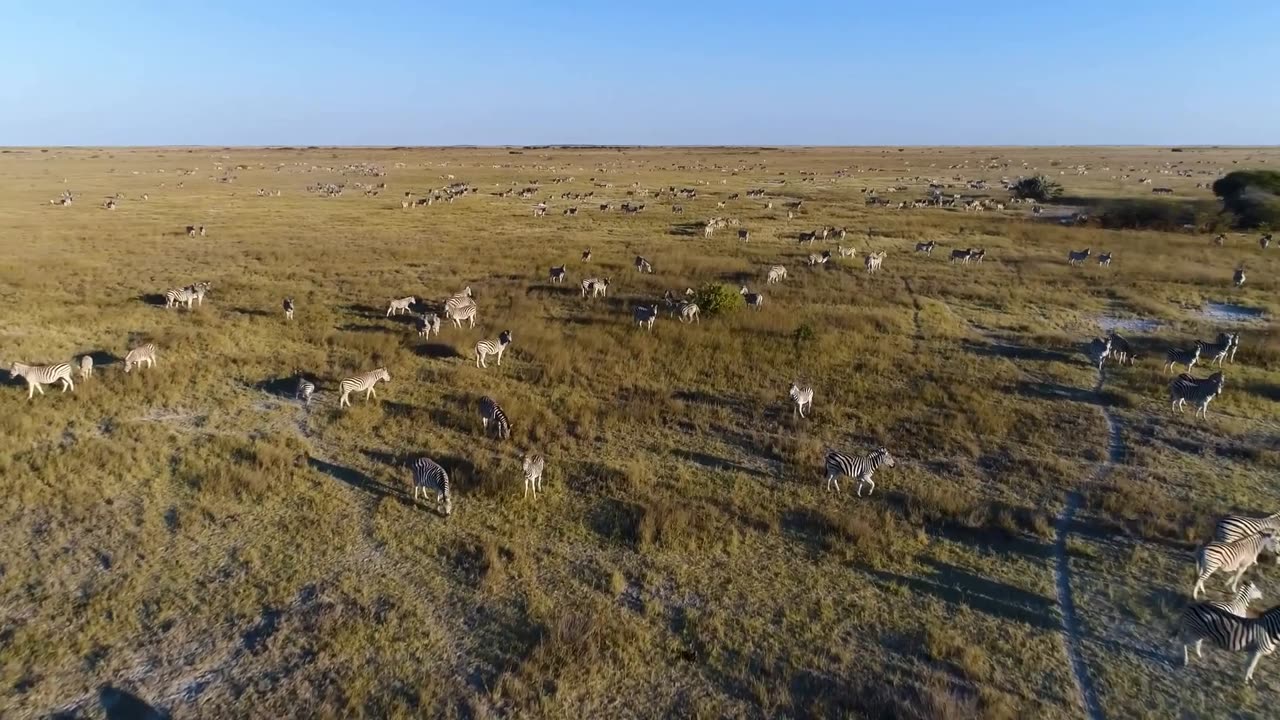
193	537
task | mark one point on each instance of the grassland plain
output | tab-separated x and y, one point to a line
191	539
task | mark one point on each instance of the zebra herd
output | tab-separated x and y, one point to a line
1185	387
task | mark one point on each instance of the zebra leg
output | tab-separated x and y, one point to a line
1199	642
526	487
344	400
499	358
31	390
1253	663
39	386
1199	587
67	384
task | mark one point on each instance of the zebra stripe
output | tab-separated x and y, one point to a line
1200	391
401	305
777	273
461	311
754	300
1237	556
1217	622
1121	351
139	355
1217	351
801	396
533	465
363	382
199	290
861	467
491	411
644	316
1176	356
595	286
485	348
429	477
961	255
173	298
40	375
428	324
1098	350
86	367
305	390
689	312
926	248
558	274
1236	527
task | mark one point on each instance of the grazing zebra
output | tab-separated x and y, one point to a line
428	476
777	273
801	396
845	252
1217	351
178	296
396	307
595	286
643	266
1104	260
744	235
288	308
644	316
86	367
39	375
139	355
1238	277
1077	257
1206	620
1121	351
815	259
926	248
874	261
428	324
558	274
362	382
586	255
533	465
485	348
1238	555
1176	356
1235	527
961	255
304	391
755	301
1098	350
689	312
491	411
461	311
1200	391
856	466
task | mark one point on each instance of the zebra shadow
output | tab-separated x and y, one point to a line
957	586
382	457
352	327
744	277
1056	391
102	357
152	299
284	387
719	464
565	289
358	480
436	351
251	312
1265	390
119	704
367	312
687	229
1018	352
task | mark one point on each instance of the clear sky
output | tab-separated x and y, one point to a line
284	72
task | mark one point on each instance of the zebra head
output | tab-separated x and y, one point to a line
504	337
1250	592
1268	542
882	457
383	375
1198	348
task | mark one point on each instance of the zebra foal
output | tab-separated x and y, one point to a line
86	367
38	376
1178	356
801	396
1238	556
533	464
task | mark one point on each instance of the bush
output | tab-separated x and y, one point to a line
718	298
1252	196
1162	215
1036	188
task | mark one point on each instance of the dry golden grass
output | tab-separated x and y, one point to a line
191	536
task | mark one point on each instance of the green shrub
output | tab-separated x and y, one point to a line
718	298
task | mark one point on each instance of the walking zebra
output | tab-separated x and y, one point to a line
305	390
689	312
1077	257
402	305
874	261
86	367
485	348
428	324
1121	351
744	235
491	411
558	274
459	311
139	355
961	255
1238	277
429	477
1104	260
1205	620
1218	350
1098	350
777	273
802	397
1176	356
288	308
178	296
586	255
643	266
1238	556
1235	345
861	467
644	316
39	375
926	248
978	255
755	301
1235	527
533	465
363	382
845	252
595	286
1200	391
815	259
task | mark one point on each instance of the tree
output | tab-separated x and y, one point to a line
1252	196
717	298
1036	188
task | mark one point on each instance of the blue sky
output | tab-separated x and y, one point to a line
748	72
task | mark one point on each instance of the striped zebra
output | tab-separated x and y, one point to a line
428	324
38	376
978	255
801	396
401	305
459	311
179	296
643	266
843	251
1104	260
304	391
1121	351
1098	350
139	355
755	301
644	316
816	259
1238	556
533	464
199	290
744	235
961	256
1077	257
1200	391
288	308
595	286
776	274
1234	527
1235	345
1264	242
1238	277
363	382
689	312
485	348
492	412
1218	350
1205	620
926	248
429	477
586	254
558	274
861	467
874	261
86	367
1176	356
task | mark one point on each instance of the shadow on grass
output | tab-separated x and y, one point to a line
1055	391
351	327
958	586
688	229
436	351
1269	391
152	299
253	312
566	289
119	704
712	462
359	480
1017	352
284	387
101	358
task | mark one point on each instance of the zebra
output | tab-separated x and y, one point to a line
491	411
427	324
816	259
1206	620
485	348
202	231
1077	257
1176	356
428	476
39	375
801	396
86	367
926	248
304	391
191	231
533	464
645	315
179	296
139	355
754	300
288	308
677	209
1098	350
199	290
843	251
777	273
1121	351
558	274
1238	555
1264	242
874	261
1104	260
856	466
643	266
1217	351
1200	391
961	255
689	312
459	311
978	255
595	286
1238	277
1234	527
1235	345
402	305
744	235
586	255
362	382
